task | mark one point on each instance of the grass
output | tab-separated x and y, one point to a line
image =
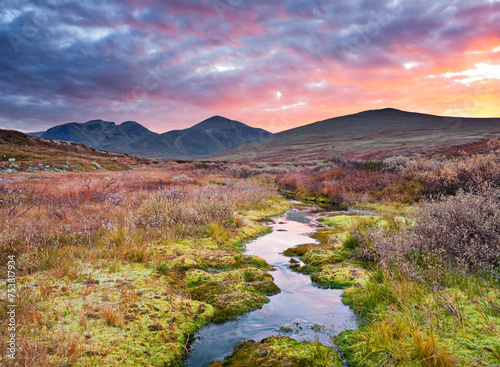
121	268
106	279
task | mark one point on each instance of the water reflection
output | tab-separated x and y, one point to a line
304	311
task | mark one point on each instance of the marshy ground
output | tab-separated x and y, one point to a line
121	268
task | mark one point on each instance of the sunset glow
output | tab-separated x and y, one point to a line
274	65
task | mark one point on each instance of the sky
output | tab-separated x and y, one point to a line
270	64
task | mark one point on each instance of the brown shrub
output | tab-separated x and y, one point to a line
461	232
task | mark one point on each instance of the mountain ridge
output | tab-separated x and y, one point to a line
371	133
209	136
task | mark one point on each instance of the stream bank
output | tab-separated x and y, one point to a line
302	310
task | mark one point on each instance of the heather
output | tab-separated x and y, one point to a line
422	267
339	180
122	267
105	261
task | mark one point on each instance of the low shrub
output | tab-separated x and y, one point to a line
459	232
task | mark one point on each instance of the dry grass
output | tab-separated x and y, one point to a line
100	262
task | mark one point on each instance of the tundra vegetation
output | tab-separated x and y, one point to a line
423	273
121	268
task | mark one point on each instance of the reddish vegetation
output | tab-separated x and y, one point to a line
480	147
339	180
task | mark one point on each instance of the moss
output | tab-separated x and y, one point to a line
338	276
305	269
343	221
299	250
195	277
313	256
281	351
228	301
318	257
257	261
234	292
183	263
133	309
389	208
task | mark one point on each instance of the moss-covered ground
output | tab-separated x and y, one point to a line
277	351
402	321
136	298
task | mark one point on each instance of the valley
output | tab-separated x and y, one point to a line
126	267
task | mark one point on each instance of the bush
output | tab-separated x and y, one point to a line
465	173
460	232
464	230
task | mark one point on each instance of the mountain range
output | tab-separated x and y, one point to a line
207	137
367	134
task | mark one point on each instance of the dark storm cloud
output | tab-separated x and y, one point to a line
65	60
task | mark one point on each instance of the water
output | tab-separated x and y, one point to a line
310	312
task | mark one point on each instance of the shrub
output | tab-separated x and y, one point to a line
183	179
460	232
465	173
464	230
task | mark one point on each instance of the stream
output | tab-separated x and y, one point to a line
301	310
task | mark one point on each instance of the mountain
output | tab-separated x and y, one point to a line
207	137
368	134
38	134
98	134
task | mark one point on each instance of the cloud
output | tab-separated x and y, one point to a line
171	64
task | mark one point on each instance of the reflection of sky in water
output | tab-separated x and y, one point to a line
297	216
309	311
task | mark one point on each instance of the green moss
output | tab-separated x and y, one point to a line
299	250
257	261
228	302
338	276
277	351
232	293
318	257
305	269
343	221
195	277
389	208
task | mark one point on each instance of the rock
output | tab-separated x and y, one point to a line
96	165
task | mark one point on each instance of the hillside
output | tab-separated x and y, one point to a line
20	152
368	134
207	137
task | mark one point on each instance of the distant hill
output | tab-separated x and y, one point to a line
209	136
368	134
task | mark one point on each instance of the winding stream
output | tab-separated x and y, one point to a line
307	312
